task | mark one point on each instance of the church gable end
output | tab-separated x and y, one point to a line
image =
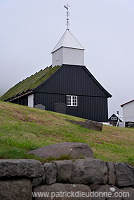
70	79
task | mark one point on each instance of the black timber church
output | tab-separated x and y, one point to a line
66	87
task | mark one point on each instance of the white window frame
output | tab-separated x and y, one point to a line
72	100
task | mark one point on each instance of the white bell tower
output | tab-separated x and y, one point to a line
68	50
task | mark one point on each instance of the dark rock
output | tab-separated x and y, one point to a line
124	175
76	122
93	125
111	173
59	191
106	192
15	190
40	106
71	149
50	173
82	171
128	193
21	168
64	171
36	181
89	171
94	187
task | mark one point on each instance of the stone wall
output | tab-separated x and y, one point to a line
27	179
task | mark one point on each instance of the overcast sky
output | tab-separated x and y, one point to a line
29	30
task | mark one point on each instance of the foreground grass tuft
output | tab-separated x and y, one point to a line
23	129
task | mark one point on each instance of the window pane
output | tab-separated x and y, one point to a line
68	100
71	100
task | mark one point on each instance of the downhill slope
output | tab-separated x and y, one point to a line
23	129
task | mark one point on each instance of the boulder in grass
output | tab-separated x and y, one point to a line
70	150
93	125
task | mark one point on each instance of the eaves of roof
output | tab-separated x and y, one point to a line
127	103
21	95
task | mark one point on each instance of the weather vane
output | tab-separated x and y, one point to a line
67	8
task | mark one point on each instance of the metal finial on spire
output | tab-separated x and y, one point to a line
67	8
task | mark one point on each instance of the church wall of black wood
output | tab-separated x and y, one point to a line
88	107
72	80
22	101
48	100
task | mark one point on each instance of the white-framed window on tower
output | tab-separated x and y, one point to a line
72	100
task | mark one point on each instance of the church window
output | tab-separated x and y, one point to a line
72	100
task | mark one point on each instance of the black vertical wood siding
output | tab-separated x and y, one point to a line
22	100
48	100
72	80
88	107
75	80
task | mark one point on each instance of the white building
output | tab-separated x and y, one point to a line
128	113
68	51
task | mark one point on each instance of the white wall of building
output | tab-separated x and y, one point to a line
57	57
31	100
73	56
68	56
128	112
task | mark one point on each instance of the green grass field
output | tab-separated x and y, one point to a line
23	129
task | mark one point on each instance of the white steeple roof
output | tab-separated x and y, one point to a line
69	41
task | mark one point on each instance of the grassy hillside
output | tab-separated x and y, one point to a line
23	129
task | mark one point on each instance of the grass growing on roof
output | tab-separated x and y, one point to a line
23	129
29	83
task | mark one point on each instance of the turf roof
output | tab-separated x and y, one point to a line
29	83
